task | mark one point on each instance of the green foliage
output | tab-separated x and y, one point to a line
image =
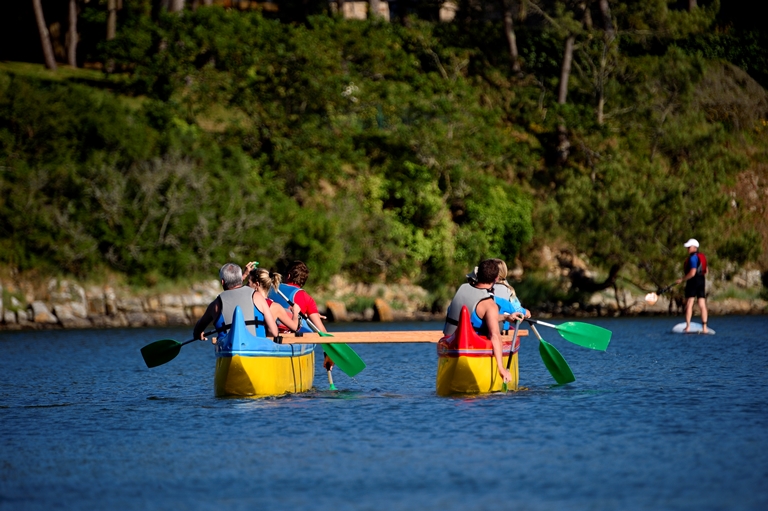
382	151
742	248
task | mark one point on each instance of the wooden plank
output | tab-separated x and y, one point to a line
391	337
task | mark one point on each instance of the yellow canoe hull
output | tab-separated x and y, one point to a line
263	376
473	375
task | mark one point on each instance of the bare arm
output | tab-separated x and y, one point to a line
318	321
260	303
488	311
282	315
208	317
688	276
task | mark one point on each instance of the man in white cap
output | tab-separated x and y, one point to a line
695	268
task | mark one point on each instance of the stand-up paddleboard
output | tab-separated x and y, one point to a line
695	329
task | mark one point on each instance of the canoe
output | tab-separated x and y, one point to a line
465	362
247	365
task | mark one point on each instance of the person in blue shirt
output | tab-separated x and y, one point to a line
695	269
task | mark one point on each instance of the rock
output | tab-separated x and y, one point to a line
118	321
41	314
130	304
76	322
138	319
97	305
110	301
176	316
596	299
70	311
15	303
22	316
66	292
153	304
196	312
63	312
1	299
336	311
175	301
368	314
158	318
382	311
9	317
194	299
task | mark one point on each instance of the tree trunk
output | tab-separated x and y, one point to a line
584	6
373	9
111	19
45	38
509	32
72	40
691	5
565	70
605	11
207	2
176	6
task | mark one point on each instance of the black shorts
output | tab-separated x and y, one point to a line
695	287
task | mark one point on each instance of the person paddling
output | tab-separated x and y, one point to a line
258	318
479	300
695	269
263	281
292	288
504	295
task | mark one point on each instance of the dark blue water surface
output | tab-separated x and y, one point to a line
659	421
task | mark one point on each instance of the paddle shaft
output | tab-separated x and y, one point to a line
205	334
538	322
514	338
301	313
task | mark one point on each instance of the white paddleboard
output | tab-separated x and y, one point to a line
695	329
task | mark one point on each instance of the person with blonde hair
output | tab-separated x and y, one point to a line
503	289
263	281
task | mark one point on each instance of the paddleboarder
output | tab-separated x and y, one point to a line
695	269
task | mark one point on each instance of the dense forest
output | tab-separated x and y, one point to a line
181	135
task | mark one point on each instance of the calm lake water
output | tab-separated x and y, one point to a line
659	421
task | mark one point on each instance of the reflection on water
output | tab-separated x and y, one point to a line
659	421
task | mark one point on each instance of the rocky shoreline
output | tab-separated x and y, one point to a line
68	304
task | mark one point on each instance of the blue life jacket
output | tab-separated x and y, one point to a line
289	292
508	307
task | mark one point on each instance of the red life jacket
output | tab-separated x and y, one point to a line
701	268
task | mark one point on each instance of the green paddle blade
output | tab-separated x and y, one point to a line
556	364
344	357
160	352
584	334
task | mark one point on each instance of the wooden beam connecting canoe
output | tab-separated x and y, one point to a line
391	337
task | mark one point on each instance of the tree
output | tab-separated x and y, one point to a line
45	38
72	35
111	19
373	7
509	33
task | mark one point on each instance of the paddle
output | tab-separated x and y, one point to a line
341	354
553	360
164	350
589	336
652	298
509	359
